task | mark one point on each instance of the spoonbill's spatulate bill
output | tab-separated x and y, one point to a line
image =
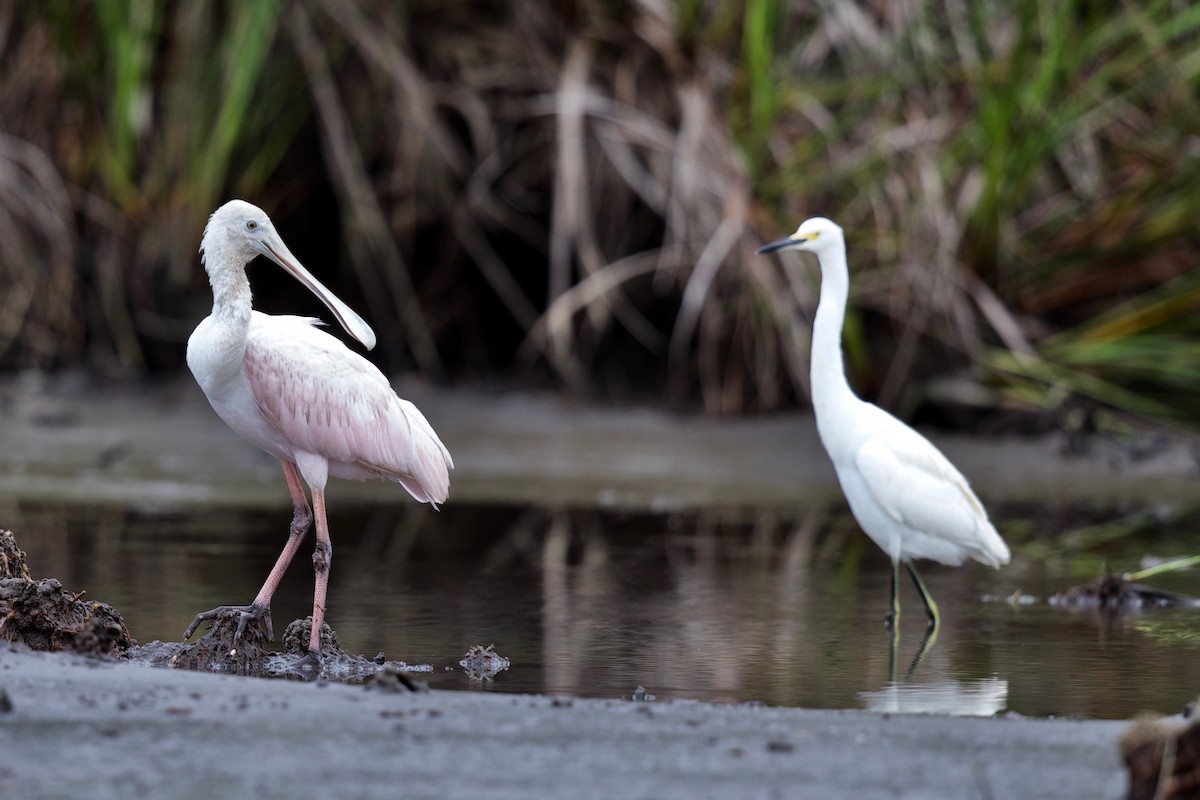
904	493
302	396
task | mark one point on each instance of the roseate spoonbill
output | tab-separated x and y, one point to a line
302	396
904	493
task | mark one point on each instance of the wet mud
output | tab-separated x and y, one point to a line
524	447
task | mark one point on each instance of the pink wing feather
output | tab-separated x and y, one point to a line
328	400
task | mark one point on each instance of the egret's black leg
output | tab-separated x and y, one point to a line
931	609
892	620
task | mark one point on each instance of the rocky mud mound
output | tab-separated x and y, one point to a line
218	650
44	615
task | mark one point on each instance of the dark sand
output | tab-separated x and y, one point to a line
80	727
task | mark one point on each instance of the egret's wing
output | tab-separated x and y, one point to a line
918	486
327	399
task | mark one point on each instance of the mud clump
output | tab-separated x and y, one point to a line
44	615
483	663
295	639
335	663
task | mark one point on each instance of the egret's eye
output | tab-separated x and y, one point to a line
251	225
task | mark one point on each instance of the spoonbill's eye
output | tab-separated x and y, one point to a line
251	225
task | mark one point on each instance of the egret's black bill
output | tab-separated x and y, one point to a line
775	246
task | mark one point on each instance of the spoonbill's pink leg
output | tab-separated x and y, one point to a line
261	607
301	519
322	557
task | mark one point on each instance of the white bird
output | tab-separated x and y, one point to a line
302	396
904	493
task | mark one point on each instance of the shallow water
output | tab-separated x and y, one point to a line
720	607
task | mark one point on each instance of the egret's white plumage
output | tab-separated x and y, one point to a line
904	493
302	395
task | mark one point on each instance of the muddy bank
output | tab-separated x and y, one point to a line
72	439
86	727
48	617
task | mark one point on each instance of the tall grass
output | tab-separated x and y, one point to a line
578	187
1019	182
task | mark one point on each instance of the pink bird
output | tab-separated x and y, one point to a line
302	396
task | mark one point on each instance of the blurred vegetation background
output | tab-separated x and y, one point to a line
571	192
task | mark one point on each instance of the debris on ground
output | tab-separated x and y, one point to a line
44	615
391	678
1116	592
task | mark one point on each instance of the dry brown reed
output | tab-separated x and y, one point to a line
581	185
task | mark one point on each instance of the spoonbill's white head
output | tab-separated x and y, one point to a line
238	231
815	235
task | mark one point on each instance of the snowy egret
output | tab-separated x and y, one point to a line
904	493
302	396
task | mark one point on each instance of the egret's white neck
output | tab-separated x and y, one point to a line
827	371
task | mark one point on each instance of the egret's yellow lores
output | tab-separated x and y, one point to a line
904	493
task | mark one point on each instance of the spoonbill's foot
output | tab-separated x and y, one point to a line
244	614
